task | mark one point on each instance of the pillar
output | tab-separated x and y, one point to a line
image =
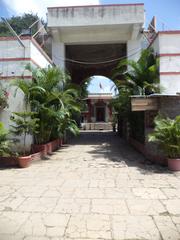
58	51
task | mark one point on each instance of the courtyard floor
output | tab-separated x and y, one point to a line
96	188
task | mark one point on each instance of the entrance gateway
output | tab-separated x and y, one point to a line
91	40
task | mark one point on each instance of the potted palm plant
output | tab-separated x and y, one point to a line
7	157
167	135
24	123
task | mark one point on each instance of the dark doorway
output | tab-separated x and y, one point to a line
100	114
99	59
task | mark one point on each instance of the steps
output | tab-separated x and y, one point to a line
97	126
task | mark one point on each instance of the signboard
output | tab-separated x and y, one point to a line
144	104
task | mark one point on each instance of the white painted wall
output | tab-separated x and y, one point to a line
16	104
96	34
134	49
12	49
58	53
38	57
168	43
170	64
14	68
99	15
170	84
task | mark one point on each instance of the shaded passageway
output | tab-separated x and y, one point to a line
97	187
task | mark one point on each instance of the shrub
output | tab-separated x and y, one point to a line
167	135
5	142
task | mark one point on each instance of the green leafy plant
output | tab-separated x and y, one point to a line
3	97
50	94
24	123
167	135
5	142
66	123
134	78
121	102
142	76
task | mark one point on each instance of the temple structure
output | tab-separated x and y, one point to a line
98	112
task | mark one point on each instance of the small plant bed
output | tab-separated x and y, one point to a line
167	135
51	105
38	152
21	161
47	148
24	123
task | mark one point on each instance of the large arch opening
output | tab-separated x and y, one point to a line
98	62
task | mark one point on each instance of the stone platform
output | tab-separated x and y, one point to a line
97	126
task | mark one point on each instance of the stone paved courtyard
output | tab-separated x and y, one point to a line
95	188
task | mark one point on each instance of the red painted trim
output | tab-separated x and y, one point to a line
164	33
13	77
169	73
19	59
169	55
105	5
170	32
14	38
14	59
33	41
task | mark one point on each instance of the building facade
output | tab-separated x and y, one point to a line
98	112
98	108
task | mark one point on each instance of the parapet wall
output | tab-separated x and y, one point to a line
95	15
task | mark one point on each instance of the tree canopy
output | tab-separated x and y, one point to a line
18	23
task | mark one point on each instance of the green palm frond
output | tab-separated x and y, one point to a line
167	135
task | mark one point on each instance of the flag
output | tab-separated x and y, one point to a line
100	85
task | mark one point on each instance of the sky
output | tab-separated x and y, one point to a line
167	13
100	84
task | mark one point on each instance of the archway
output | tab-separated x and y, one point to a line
98	114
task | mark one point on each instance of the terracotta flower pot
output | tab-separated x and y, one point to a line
8	161
60	142
39	148
55	145
174	164
49	148
25	161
